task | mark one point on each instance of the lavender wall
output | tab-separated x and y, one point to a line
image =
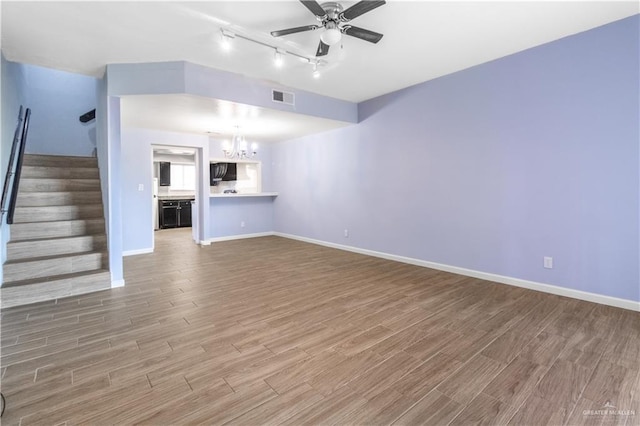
263	155
57	99
226	215
490	169
136	158
185	77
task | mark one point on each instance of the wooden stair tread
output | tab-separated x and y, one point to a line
56	221
59	178
66	160
53	278
57	256
70	237
57	156
79	206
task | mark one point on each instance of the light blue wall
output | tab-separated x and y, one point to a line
57	99
13	95
489	169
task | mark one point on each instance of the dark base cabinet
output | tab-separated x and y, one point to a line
184	214
174	213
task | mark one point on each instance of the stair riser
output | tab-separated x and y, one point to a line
25	231
58	161
59	172
30	249
55	289
51	267
53	213
40	199
48	185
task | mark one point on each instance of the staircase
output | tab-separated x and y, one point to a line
58	245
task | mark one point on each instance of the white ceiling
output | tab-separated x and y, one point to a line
193	114
422	39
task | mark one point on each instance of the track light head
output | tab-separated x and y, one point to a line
278	59
226	39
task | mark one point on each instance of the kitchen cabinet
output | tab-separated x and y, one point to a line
174	213
165	173
184	214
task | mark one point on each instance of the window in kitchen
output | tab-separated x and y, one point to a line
183	177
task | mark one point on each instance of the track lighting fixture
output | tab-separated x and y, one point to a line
227	37
278	58
225	40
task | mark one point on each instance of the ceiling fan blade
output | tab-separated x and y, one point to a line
314	7
360	8
323	49
367	35
293	30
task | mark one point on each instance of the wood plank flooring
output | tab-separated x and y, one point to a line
275	331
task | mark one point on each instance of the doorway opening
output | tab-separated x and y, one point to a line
175	188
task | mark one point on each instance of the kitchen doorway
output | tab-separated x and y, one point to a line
175	188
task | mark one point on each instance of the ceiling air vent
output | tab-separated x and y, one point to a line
283	97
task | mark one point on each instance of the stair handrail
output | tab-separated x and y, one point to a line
19	142
12	157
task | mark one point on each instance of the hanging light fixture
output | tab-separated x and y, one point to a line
238	147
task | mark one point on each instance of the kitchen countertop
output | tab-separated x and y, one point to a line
246	194
177	197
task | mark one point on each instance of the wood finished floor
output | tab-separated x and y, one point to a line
271	331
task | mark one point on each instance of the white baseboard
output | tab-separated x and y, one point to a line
532	285
117	283
236	237
139	251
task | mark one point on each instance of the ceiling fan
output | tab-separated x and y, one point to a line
334	19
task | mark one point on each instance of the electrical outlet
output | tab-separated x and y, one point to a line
346	233
548	262
140	187
242	224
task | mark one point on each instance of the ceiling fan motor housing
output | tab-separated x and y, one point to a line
333	10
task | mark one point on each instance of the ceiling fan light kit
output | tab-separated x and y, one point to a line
331	36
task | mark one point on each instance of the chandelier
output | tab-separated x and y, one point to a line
238	147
